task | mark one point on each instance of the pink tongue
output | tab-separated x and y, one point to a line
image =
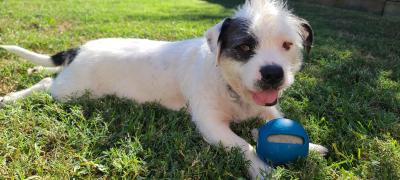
265	97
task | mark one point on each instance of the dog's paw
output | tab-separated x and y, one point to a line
254	134
2	101
5	99
34	70
323	151
258	169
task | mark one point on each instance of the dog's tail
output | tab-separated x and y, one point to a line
59	59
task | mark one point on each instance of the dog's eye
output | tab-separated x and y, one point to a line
287	45
243	47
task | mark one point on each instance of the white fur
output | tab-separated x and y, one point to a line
182	73
39	69
36	58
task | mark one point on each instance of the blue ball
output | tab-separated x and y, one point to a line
281	152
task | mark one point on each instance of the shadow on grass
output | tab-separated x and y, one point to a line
349	89
226	3
353	60
195	16
167	142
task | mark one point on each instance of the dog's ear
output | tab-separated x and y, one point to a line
307	34
213	34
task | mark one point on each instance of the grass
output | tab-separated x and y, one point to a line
347	97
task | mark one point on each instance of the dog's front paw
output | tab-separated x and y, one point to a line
258	169
254	134
323	151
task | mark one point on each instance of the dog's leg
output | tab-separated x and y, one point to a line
43	85
271	113
268	114
323	151
215	130
39	69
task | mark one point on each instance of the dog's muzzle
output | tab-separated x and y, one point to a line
271	79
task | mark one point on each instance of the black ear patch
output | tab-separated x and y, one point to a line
236	41
307	35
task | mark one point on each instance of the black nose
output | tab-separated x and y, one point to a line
272	76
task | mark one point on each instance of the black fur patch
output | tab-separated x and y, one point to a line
308	36
233	36
65	57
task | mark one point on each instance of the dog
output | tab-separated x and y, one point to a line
237	71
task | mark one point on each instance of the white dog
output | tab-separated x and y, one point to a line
237	71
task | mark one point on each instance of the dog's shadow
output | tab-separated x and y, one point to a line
162	143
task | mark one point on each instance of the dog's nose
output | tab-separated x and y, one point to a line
272	75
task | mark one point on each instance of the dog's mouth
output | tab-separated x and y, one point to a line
267	97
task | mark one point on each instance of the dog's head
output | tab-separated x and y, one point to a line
259	49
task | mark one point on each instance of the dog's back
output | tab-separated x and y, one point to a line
139	69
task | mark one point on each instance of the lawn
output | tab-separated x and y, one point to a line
347	96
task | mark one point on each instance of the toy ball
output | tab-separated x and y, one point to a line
281	141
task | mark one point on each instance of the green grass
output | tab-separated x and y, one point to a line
347	96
